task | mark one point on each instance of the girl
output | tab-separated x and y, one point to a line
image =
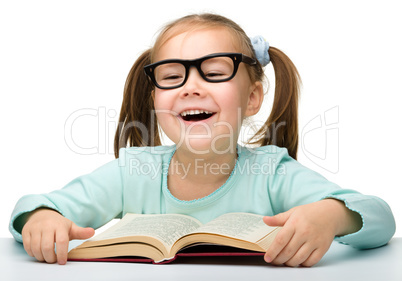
198	83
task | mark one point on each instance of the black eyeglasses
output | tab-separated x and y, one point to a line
215	68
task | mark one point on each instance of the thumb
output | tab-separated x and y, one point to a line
277	220
77	232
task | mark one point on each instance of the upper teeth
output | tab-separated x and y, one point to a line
192	112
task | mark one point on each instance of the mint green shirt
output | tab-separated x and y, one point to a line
265	180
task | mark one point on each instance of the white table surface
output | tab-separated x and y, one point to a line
341	263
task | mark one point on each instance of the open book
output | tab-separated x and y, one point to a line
161	237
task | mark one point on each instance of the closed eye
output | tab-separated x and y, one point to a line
172	77
213	74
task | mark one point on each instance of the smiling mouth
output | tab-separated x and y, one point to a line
194	117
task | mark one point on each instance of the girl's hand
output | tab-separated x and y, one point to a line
46	227
308	232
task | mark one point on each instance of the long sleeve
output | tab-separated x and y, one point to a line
89	201
378	220
294	185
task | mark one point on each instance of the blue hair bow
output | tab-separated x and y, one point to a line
261	47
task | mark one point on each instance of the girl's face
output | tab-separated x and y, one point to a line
229	101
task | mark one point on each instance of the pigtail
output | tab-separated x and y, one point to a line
281	127
137	121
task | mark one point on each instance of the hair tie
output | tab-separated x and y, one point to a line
261	47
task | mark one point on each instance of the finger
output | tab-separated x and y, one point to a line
47	246
26	240
289	250
77	232
62	240
36	246
301	255
277	220
281	240
315	257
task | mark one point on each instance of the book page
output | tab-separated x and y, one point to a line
166	228
249	227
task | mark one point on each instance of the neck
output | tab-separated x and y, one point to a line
193	176
203	168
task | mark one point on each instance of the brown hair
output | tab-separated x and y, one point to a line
281	127
137	121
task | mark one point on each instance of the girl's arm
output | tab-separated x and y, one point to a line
298	195
88	201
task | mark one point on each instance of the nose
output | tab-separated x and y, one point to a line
193	85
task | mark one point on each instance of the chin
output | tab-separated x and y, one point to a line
197	145
204	146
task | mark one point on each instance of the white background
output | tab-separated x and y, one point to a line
60	57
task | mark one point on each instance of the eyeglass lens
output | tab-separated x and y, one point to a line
213	69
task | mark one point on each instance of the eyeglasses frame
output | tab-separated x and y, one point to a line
237	58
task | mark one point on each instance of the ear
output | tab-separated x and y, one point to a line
255	98
153	95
